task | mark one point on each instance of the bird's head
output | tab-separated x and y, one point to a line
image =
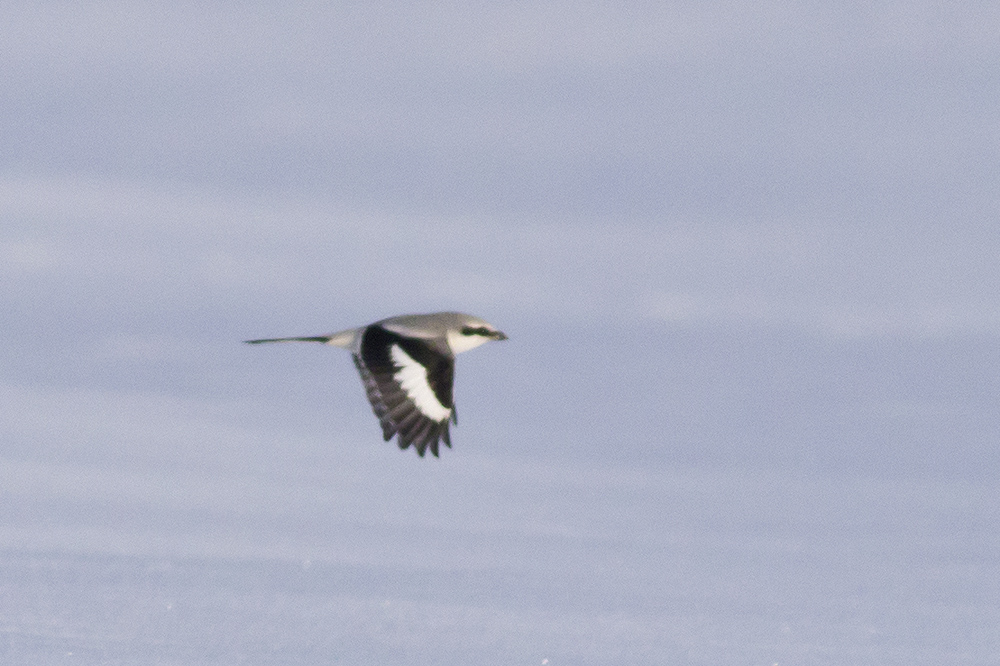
471	332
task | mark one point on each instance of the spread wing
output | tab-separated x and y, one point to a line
409	385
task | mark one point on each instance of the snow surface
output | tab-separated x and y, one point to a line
368	555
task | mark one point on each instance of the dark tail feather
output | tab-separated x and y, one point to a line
320	338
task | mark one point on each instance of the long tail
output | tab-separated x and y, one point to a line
319	338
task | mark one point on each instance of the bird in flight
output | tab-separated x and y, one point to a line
407	365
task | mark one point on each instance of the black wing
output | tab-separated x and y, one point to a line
397	411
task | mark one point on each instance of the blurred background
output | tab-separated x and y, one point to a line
746	257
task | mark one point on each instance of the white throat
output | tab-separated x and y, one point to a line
460	343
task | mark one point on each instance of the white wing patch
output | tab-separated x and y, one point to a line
412	377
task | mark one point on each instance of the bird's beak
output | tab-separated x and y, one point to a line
498	335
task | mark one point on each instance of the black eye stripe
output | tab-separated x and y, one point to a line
472	330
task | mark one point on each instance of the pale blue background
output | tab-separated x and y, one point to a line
746	256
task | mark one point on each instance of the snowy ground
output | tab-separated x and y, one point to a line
374	557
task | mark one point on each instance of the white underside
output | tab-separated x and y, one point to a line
413	378
460	343
349	339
